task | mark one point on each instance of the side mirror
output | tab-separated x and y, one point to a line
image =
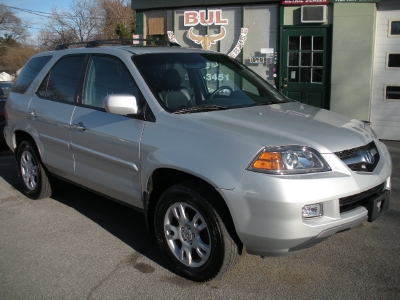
121	104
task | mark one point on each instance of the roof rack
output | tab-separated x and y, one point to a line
98	43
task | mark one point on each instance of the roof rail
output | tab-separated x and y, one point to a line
98	43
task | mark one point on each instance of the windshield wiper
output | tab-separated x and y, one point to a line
200	109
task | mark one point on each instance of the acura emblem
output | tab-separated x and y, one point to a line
369	158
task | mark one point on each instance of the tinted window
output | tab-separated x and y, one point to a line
106	75
61	82
29	73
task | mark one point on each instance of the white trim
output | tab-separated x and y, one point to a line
387	61
384	93
390	27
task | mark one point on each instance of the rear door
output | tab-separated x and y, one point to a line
50	113
106	146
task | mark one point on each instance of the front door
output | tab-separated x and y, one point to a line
305	65
106	146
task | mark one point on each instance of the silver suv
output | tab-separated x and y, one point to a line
214	156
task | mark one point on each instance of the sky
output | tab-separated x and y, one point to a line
36	7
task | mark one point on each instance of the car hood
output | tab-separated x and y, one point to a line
290	123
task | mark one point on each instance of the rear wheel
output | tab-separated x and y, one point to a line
34	177
192	235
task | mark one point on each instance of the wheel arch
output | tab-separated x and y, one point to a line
161	179
20	136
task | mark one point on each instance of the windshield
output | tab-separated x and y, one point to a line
195	82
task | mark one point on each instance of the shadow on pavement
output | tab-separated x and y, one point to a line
122	221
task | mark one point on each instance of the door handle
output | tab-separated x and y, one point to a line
284	86
32	115
79	127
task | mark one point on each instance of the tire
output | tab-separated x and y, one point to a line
191	234
35	179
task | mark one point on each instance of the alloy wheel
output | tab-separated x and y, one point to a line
29	170
187	234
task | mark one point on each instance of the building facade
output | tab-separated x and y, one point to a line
341	55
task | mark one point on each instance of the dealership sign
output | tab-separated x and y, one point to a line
359	1
207	18
214	16
304	2
208	39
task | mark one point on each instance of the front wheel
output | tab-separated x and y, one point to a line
192	235
35	180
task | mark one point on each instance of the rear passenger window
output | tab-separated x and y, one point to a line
61	82
29	73
106	75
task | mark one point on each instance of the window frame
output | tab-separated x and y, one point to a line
390	35
387	61
385	90
78	88
18	86
139	96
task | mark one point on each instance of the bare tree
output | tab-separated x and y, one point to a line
81	23
10	23
48	40
13	54
117	14
87	20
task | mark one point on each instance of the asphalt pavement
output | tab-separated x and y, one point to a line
77	245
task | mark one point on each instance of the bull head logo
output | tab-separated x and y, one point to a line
206	40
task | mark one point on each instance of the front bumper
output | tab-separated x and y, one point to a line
267	209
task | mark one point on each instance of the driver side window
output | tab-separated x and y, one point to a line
106	75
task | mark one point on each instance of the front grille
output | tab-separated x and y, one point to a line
346	153
361	199
357	158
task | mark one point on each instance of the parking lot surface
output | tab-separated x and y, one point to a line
78	245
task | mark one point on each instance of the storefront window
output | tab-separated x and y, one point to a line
261	50
157	23
247	33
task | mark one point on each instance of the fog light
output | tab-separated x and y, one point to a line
313	210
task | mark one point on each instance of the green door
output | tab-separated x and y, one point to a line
304	65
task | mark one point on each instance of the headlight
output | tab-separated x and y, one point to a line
289	160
